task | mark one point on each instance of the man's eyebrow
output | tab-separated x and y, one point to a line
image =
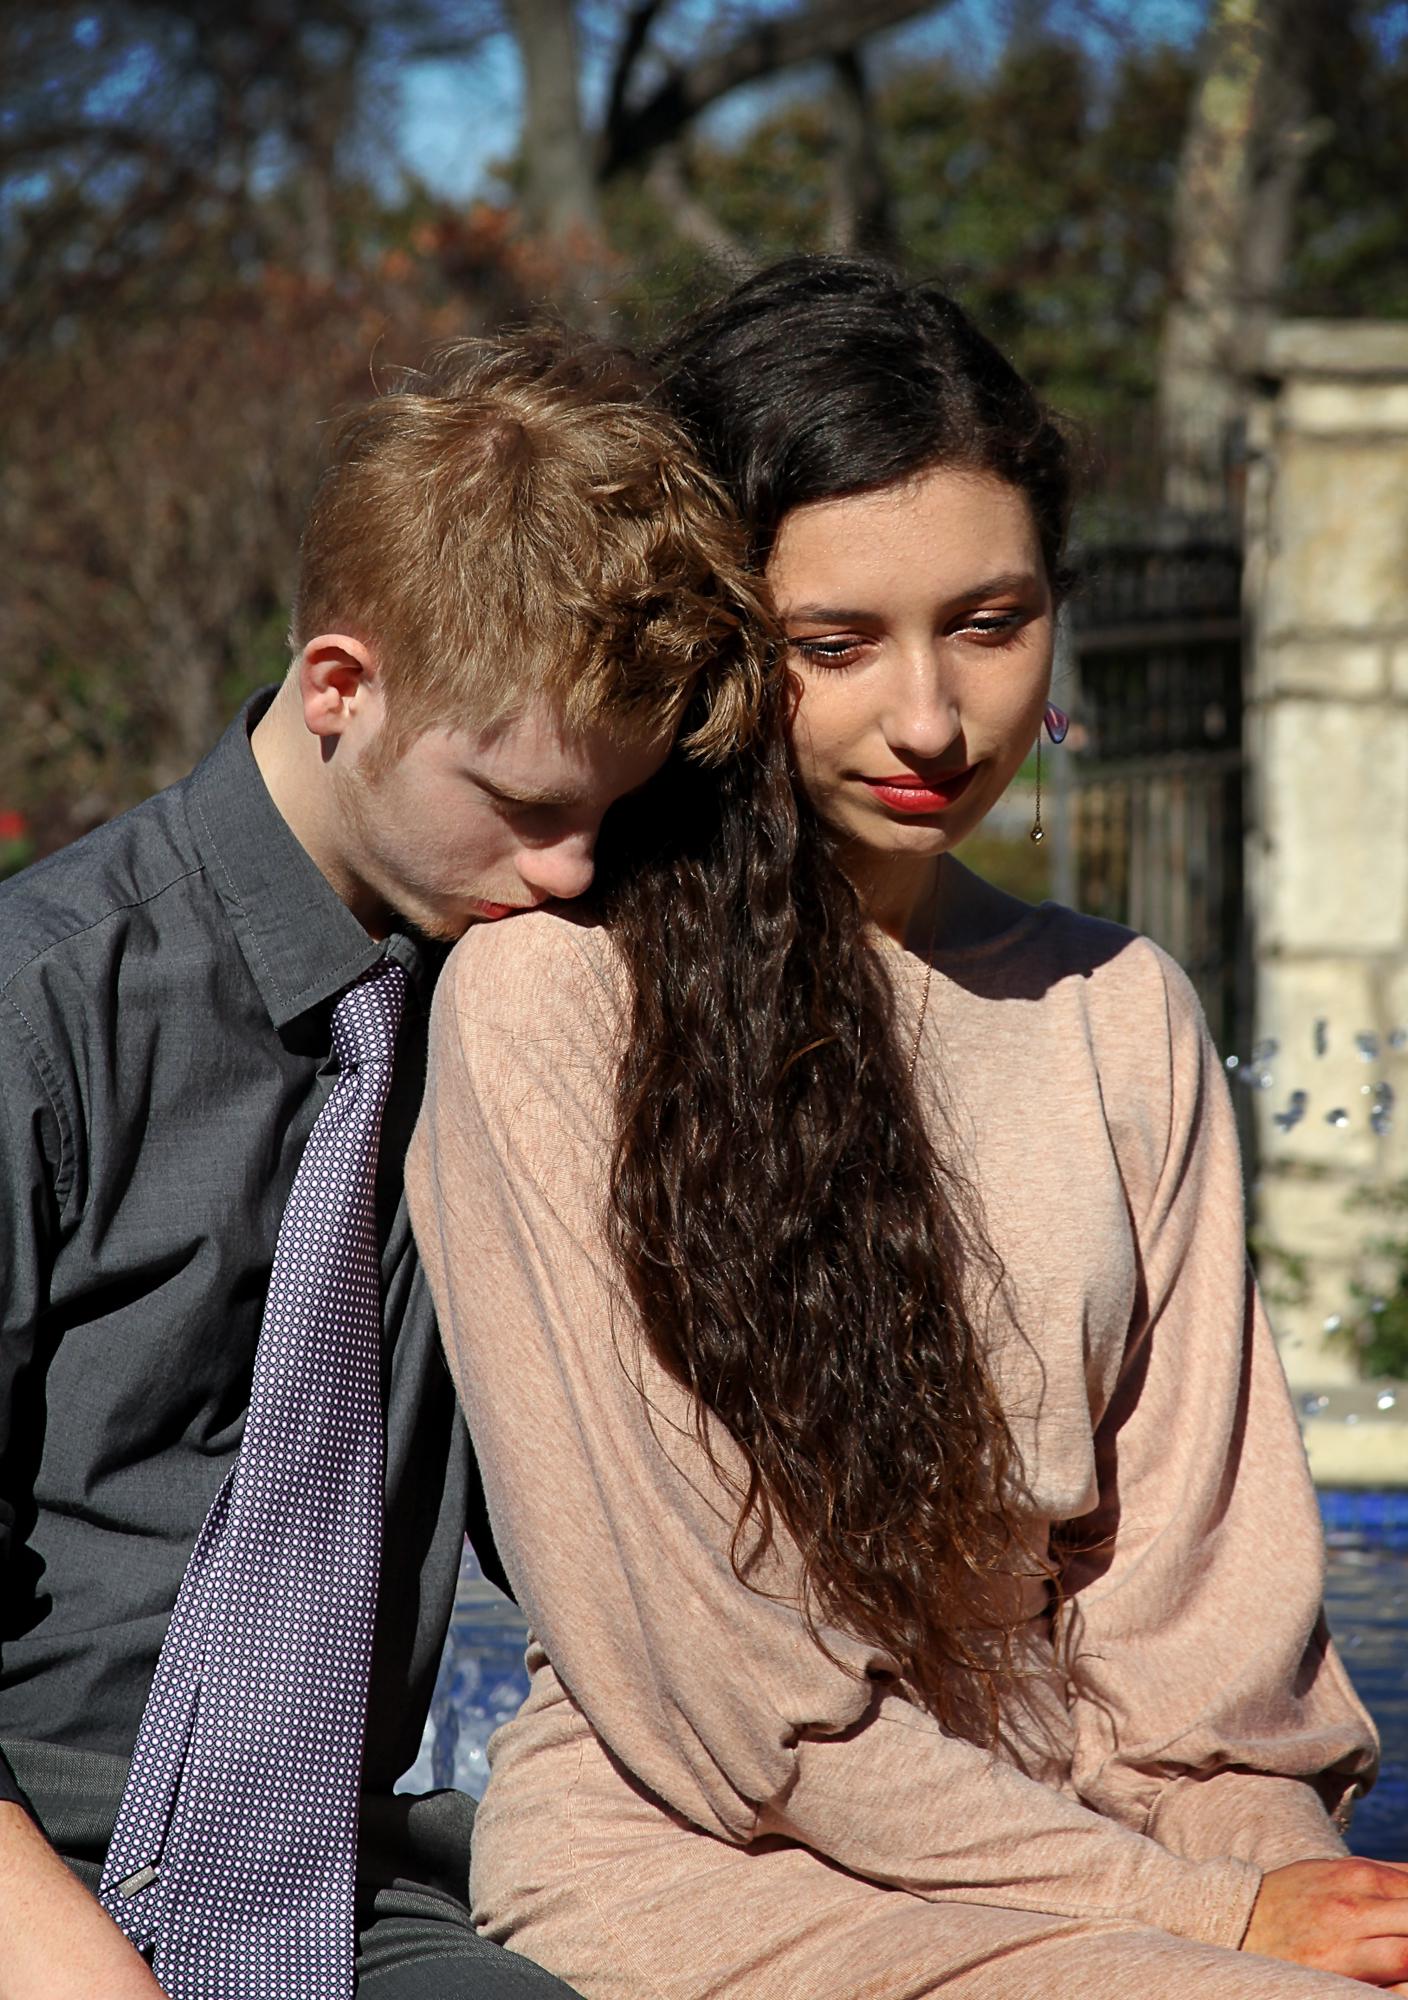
988	586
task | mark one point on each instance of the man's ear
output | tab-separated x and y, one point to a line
337	678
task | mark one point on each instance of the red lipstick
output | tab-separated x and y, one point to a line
905	793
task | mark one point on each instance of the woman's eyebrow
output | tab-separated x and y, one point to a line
988	586
1005	580
826	614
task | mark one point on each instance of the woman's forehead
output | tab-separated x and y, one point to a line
960	527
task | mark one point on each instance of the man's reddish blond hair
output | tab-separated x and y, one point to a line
519	519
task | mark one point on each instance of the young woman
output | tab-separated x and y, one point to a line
841	1265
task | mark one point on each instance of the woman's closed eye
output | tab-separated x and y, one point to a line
989	628
838	652
992	627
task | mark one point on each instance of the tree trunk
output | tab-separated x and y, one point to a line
1238	177
860	205
559	181
669	179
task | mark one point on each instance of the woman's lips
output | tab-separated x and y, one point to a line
904	793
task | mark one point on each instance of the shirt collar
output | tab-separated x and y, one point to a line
302	944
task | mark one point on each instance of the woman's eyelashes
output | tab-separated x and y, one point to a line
828	652
988	628
993	626
995	629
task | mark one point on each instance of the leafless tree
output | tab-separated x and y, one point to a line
152	492
664	74
146	140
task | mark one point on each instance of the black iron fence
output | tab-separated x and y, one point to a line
1154	806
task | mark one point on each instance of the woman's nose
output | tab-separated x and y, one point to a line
922	717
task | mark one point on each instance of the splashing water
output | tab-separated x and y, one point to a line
1287	1120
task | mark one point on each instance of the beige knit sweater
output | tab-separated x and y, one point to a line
1206	1730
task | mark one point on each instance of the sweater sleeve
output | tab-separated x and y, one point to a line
1211	1709
615	1526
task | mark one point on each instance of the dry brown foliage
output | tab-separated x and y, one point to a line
153	481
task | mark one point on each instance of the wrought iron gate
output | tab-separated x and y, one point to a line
1154	805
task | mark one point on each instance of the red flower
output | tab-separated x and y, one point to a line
13	826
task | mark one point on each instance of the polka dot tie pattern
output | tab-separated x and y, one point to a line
233	1861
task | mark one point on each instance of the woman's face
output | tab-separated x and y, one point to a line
919	622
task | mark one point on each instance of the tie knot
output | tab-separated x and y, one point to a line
366	1018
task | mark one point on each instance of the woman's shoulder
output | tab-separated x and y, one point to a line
1048	953
552	973
1104	1016
1123	969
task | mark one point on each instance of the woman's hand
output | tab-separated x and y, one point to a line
1349	1917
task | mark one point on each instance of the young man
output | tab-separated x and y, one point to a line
212	1035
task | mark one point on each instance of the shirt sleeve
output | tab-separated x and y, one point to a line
1211	1709
615	1528
32	1176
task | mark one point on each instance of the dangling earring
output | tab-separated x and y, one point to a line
1057	723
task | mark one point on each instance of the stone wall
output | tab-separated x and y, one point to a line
1327	602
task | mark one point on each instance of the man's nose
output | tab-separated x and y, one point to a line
561	871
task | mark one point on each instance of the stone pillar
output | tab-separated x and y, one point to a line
1327	731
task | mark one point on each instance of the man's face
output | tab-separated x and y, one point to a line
466	828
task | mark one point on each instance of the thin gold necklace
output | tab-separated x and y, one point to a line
928	976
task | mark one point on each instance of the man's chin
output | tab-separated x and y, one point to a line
435	926
446	924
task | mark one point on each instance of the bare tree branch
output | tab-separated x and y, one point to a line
860	206
451	48
638	25
34	142
823	29
668	180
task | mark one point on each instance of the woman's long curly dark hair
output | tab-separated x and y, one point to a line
804	1261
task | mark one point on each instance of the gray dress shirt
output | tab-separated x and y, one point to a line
165	1001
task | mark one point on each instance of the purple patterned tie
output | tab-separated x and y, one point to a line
233	1861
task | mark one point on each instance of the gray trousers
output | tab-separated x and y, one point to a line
414	1952
417	1941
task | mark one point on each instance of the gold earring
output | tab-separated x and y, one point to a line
1038	832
